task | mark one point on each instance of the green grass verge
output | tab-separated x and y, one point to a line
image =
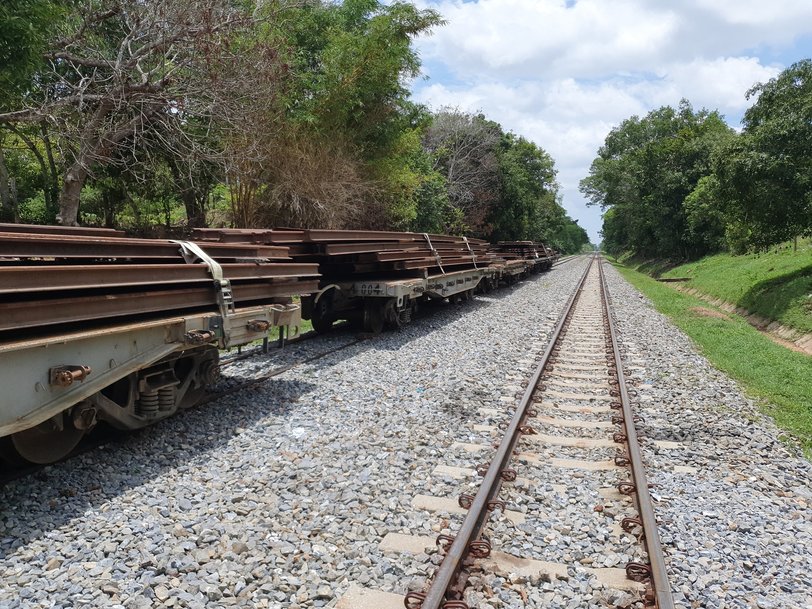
782	378
776	284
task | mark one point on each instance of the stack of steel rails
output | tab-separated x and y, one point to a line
62	278
518	253
350	253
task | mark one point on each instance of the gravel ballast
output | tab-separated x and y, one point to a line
736	511
279	495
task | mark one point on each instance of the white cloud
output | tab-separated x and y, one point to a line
564	76
546	39
716	84
787	15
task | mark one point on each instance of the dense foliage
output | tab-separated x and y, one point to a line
644	174
214	112
679	183
765	175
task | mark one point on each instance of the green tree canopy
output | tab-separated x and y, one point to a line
644	172
25	28
252	114
765	175
528	203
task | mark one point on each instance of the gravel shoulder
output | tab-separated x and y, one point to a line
735	502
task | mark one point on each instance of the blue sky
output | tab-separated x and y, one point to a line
564	72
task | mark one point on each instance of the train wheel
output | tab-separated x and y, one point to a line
206	373
47	442
322	319
373	316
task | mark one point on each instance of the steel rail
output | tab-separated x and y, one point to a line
30	278
24	245
659	576
561	261
16	315
61	230
446	576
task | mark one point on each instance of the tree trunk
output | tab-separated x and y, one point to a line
52	184
92	145
69	197
195	216
8	190
195	213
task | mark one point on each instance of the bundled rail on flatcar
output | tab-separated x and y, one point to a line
379	279
96	326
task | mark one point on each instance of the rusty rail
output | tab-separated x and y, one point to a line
14	279
468	541
447	586
659	592
36	245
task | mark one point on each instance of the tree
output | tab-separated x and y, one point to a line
570	239
646	169
300	106
615	231
356	60
705	220
119	69
332	145
765	175
528	205
323	154
24	27
464	149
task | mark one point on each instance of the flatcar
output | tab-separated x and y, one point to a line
97	327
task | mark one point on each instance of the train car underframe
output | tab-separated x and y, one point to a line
127	376
374	304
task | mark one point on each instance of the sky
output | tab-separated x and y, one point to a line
563	73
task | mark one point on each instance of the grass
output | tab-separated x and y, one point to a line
780	377
776	284
273	334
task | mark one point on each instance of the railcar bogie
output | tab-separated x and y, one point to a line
58	387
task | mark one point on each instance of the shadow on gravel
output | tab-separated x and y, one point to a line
437	314
84	484
31	507
431	317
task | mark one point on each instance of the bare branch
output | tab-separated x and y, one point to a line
80	61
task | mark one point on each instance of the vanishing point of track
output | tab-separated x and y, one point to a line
583	354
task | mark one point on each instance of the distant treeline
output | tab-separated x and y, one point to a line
680	184
251	113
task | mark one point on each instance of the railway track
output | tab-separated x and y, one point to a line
574	423
295	489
